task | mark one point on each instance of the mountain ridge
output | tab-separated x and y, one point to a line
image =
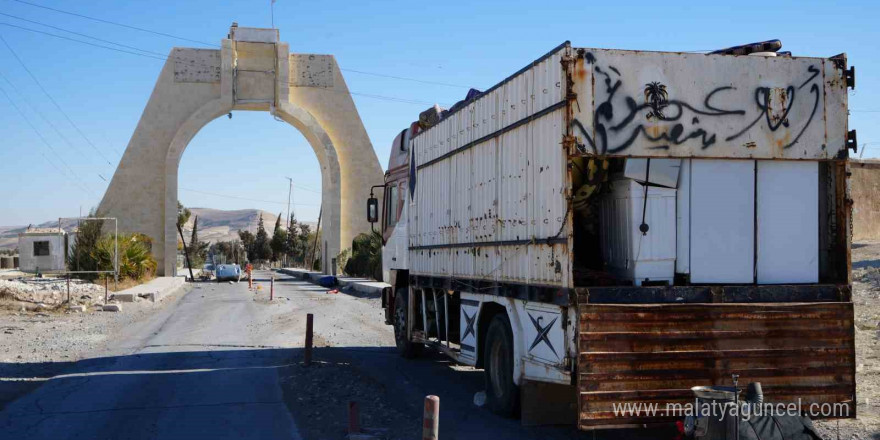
214	225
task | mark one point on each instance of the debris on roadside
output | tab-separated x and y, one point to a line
48	291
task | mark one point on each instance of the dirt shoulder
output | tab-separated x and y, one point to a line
39	342
866	301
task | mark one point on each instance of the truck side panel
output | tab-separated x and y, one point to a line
491	185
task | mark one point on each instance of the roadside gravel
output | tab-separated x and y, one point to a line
35	345
866	300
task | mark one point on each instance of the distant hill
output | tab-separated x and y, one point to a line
214	225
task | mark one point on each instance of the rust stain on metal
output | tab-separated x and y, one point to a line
655	353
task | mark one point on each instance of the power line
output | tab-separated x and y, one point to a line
361	72
54	102
403	78
81	34
100	20
229	196
46	142
44	118
165	58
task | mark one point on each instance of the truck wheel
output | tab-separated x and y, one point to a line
405	347
502	395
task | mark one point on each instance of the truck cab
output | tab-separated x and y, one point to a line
394	210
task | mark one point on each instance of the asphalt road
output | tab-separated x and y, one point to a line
213	366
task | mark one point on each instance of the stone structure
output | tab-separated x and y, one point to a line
253	70
43	249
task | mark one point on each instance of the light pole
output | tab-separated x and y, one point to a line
289	194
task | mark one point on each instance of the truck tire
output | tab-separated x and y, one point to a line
405	347
502	395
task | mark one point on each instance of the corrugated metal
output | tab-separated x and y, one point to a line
655	353
660	104
507	187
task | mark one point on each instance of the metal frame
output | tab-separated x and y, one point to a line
115	270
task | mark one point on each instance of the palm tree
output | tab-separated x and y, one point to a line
657	98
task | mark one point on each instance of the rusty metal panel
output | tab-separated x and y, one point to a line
461	200
661	104
836	104
513	212
484	209
655	353
486	119
514	99
486	262
549	84
491	182
548	177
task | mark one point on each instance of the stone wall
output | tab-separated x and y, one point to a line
865	191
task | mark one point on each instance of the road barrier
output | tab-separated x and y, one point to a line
308	353
431	422
272	288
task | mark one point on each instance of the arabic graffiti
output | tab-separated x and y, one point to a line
619	121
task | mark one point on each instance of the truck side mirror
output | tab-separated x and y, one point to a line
372	210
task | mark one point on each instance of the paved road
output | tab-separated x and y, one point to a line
200	369
209	367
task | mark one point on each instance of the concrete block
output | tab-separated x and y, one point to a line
112	307
125	297
77	308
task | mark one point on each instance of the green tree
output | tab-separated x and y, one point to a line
365	257
293	248
262	248
197	249
247	242
135	259
82	255
183	214
279	240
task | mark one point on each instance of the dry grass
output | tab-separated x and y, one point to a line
125	283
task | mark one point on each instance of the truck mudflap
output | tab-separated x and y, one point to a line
636	363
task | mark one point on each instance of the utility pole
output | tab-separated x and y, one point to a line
289	193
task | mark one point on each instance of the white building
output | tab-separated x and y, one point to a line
45	249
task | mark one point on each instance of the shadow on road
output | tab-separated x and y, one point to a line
226	391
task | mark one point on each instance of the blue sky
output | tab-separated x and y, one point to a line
462	43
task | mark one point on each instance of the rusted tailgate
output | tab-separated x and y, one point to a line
656	352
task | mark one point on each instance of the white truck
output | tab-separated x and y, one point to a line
616	226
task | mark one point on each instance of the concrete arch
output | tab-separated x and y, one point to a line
252	71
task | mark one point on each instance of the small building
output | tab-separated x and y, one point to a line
45	249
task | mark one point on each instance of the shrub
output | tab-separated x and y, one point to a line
365	257
135	258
